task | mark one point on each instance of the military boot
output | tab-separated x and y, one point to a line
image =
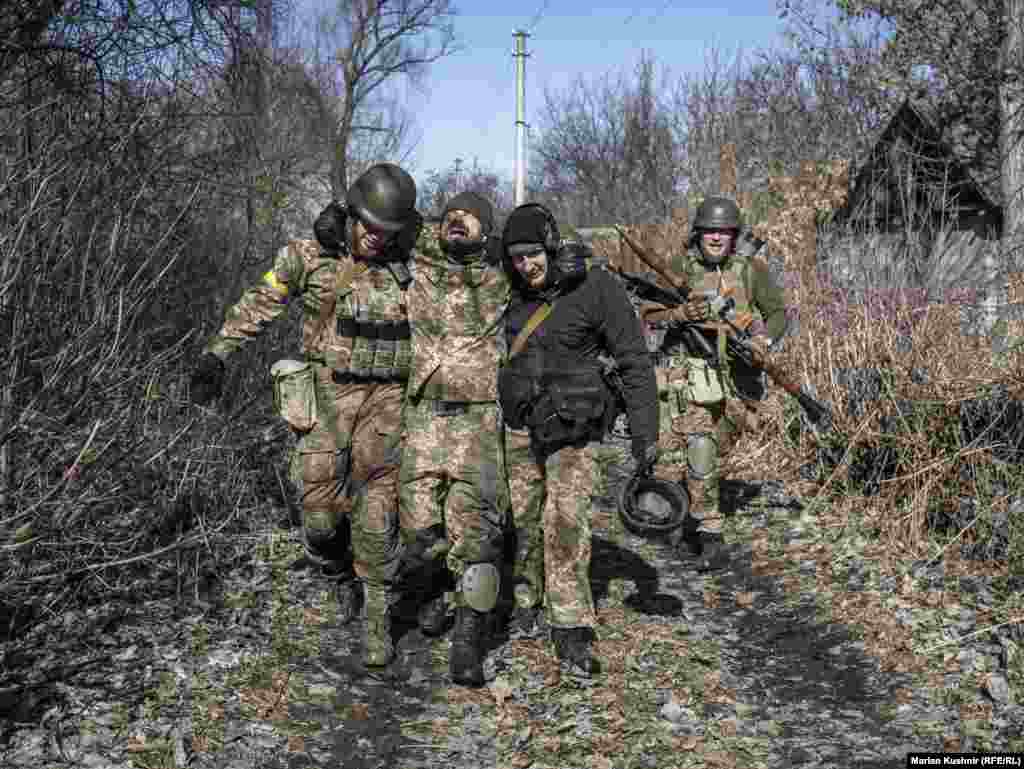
432	616
714	554
572	645
378	649
704	538
467	653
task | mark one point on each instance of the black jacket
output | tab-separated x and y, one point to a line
594	317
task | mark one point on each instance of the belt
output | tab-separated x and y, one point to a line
346	378
449	408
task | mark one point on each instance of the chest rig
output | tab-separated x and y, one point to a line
729	281
370	327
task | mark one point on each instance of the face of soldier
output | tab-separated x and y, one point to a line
532	266
459	225
716	245
368	242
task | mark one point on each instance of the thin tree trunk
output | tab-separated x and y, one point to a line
1011	129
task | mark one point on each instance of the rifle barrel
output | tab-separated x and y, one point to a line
680	286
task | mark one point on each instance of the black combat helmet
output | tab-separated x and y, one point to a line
384	197
717	213
650	506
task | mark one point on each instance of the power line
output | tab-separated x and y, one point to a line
538	16
661	9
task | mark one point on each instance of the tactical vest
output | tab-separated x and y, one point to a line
731	279
368	335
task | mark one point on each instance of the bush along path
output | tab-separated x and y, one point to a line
806	652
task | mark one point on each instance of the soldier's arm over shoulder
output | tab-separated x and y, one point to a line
768	296
264	301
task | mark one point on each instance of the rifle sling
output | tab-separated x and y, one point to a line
538	317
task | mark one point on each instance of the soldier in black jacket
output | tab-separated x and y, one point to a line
565	312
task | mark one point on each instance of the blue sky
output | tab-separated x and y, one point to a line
466	108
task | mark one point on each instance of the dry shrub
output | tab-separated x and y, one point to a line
922	368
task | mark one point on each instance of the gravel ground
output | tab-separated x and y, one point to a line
743	668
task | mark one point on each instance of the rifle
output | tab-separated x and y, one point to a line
737	342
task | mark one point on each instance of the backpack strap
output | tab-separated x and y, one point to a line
538	317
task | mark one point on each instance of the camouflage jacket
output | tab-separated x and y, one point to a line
456	312
334	289
747	279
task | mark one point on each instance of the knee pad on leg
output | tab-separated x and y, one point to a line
323	539
479	586
701	456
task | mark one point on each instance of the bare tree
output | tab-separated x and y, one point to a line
609	148
374	43
441	186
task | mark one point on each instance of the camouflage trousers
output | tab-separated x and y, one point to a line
453	475
526	490
682	420
350	467
552	519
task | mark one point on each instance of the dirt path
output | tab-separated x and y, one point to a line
747	668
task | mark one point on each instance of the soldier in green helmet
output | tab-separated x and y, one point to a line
707	400
345	398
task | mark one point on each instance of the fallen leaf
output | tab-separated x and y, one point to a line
360	711
687	743
215	711
551	744
745	599
296	744
501	689
136	743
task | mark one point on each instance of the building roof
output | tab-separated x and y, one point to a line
916	127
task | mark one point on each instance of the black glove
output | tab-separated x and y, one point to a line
207	379
329	227
646	456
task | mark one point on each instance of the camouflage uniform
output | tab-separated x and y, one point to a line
359	393
453	468
527	488
696	399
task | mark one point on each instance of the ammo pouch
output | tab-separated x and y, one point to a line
517	393
295	393
571	410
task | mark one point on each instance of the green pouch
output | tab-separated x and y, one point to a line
704	382
295	393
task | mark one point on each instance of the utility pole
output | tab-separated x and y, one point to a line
519	174
458	175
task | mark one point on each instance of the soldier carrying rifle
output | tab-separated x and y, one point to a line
708	393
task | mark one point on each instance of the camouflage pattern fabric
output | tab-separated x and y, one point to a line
453	474
453	470
365	419
455	311
570	475
362	416
526	489
749	282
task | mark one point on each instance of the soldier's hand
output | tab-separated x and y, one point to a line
760	345
696	310
646	457
207	381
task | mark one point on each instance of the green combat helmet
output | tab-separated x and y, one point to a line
384	197
715	213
